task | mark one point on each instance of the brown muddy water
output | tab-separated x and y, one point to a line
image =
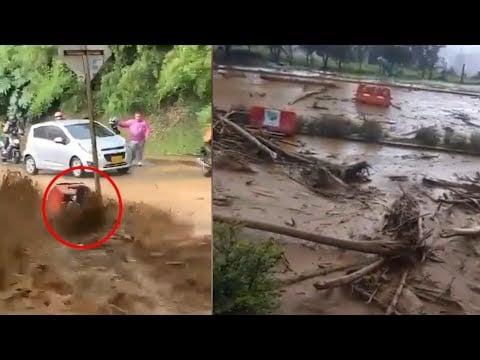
270	196
387	161
417	108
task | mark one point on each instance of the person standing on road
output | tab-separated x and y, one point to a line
139	131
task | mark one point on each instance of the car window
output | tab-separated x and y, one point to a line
40	133
52	132
82	131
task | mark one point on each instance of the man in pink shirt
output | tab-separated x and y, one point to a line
139	130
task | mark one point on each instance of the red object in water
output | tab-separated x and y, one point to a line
373	95
62	193
281	121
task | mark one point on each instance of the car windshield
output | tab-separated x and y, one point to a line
82	131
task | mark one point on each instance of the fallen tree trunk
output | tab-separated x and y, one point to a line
307	94
321	272
284	152
398	292
348	279
370	247
249	137
462	232
450	184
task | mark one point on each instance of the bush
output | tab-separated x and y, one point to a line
331	126
243	279
475	141
428	136
371	130
457	141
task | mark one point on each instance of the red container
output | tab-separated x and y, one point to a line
373	95
60	193
281	121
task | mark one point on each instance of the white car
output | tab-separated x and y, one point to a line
61	144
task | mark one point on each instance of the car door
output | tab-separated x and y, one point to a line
38	145
57	155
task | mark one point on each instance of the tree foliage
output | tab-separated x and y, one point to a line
423	58
33	81
243	281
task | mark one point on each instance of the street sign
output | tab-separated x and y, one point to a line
76	56
86	61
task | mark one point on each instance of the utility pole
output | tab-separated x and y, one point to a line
93	132
86	61
462	76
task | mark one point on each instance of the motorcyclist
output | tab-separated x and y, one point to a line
10	127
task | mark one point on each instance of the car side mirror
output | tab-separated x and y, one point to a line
58	140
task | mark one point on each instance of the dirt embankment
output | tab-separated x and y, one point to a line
154	264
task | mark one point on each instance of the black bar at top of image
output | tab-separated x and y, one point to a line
248	24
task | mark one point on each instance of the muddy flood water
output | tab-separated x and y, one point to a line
157	262
417	108
270	196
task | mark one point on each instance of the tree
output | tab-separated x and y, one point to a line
426	57
340	53
309	52
275	52
397	54
324	51
360	51
289	53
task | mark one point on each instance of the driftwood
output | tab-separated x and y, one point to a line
364	294
371	247
283	152
249	137
307	94
349	278
450	184
398	292
475	231
321	272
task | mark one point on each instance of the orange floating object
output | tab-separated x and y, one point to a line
373	95
62	193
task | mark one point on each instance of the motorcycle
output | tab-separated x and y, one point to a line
14	153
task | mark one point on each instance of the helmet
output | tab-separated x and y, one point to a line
58	115
113	121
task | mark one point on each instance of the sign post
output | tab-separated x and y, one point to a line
86	61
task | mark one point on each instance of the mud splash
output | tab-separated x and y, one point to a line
152	265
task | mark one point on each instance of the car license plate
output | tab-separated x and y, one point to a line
117	159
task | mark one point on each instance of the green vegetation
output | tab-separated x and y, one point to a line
428	136
171	85
475	141
243	279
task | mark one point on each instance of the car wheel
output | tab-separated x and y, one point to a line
30	166
79	173
123	171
